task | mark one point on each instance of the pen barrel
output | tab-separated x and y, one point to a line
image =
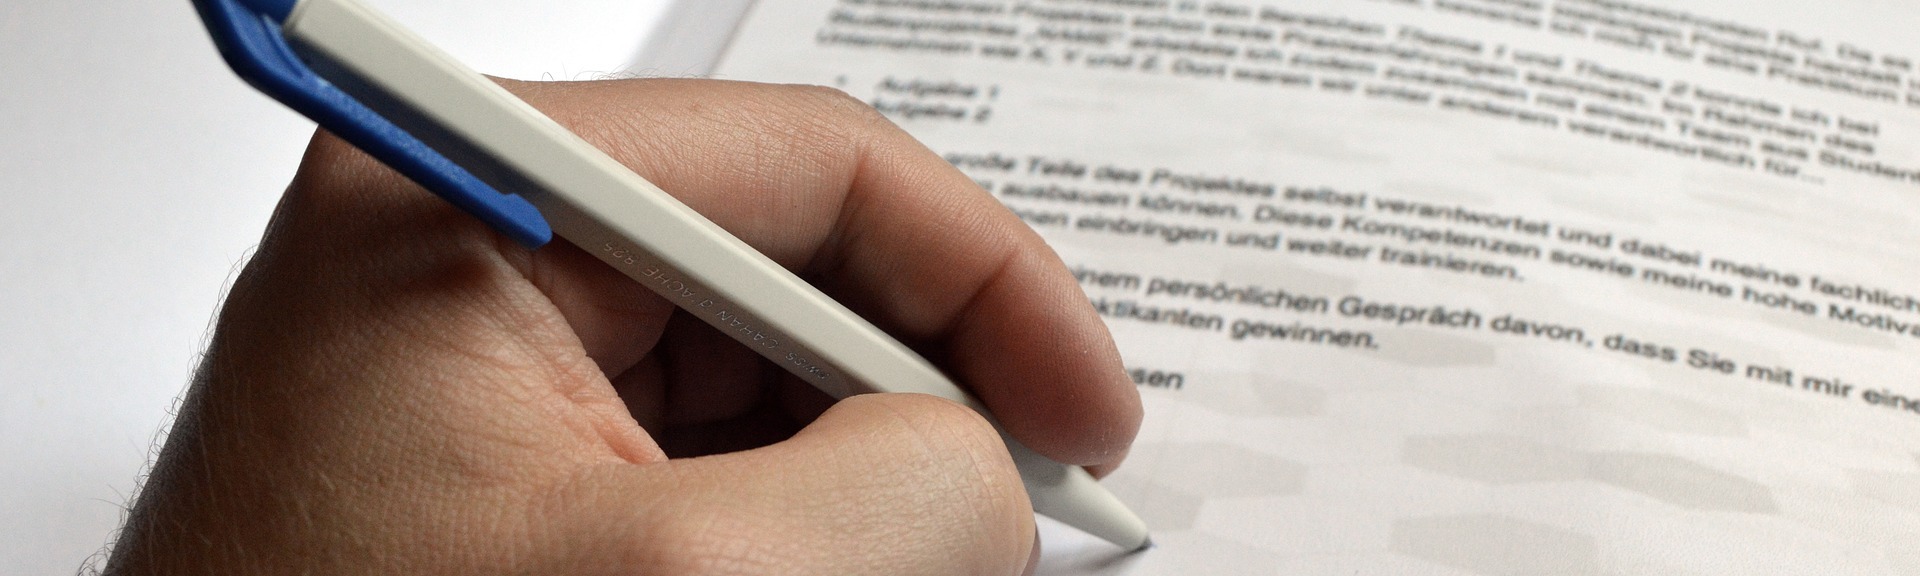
1062	492
721	309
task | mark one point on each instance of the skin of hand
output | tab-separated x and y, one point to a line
394	388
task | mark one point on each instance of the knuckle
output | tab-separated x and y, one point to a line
832	98
833	107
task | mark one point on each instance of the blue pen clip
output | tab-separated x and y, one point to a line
248	37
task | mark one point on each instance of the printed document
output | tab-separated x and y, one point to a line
1462	287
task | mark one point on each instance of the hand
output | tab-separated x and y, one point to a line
393	388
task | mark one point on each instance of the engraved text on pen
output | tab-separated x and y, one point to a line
672	287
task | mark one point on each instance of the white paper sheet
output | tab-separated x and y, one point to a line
1455	286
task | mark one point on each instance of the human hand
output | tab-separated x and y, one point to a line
394	388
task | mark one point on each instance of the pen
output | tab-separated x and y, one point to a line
368	80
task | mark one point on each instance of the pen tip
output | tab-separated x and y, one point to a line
1143	546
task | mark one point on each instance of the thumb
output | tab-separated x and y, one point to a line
879	484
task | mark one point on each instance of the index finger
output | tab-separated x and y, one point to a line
827	187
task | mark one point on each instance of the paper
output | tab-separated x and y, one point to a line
1455	286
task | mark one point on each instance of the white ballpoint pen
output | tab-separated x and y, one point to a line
367	79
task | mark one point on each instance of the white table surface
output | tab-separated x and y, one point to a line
137	172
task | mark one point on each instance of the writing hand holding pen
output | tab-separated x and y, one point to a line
394	387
